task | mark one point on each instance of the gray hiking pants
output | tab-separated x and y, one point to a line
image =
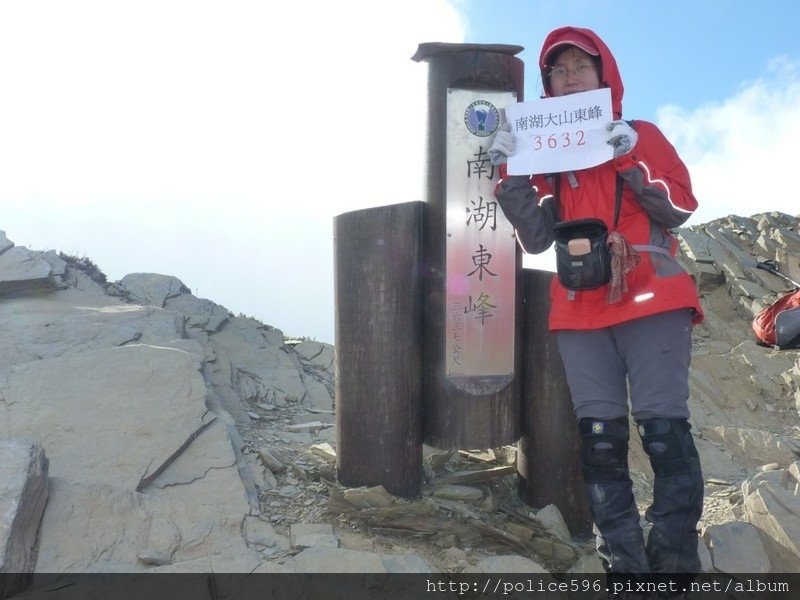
651	355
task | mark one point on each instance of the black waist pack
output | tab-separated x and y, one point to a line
583	259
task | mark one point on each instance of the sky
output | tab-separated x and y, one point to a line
217	141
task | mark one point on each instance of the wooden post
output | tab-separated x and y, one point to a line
378	348
549	460
470	408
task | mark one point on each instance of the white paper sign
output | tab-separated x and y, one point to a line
560	134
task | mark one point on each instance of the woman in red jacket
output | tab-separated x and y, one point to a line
631	335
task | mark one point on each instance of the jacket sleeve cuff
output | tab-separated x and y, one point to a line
503	171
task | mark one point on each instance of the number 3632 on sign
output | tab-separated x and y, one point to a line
565	139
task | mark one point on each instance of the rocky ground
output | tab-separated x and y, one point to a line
183	438
453	527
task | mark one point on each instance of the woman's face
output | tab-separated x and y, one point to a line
573	71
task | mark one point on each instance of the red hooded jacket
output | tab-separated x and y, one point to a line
656	196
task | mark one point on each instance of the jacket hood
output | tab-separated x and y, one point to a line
589	41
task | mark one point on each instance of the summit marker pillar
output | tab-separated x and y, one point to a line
470	259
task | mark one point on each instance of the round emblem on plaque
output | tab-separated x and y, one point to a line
481	118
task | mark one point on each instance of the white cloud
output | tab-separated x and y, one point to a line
741	152
212	141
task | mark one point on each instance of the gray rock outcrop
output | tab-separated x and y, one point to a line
23	495
772	504
125	387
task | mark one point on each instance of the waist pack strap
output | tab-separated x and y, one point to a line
617	195
650	248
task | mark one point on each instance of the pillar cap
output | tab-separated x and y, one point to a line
428	49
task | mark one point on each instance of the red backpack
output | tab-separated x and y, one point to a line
779	323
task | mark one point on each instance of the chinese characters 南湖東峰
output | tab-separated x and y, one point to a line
483	213
481	259
482	306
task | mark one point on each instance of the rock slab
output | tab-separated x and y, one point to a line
23	496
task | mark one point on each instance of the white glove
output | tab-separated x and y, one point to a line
622	137
502	146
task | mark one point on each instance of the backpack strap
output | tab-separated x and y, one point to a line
617	200
618	192
651	248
